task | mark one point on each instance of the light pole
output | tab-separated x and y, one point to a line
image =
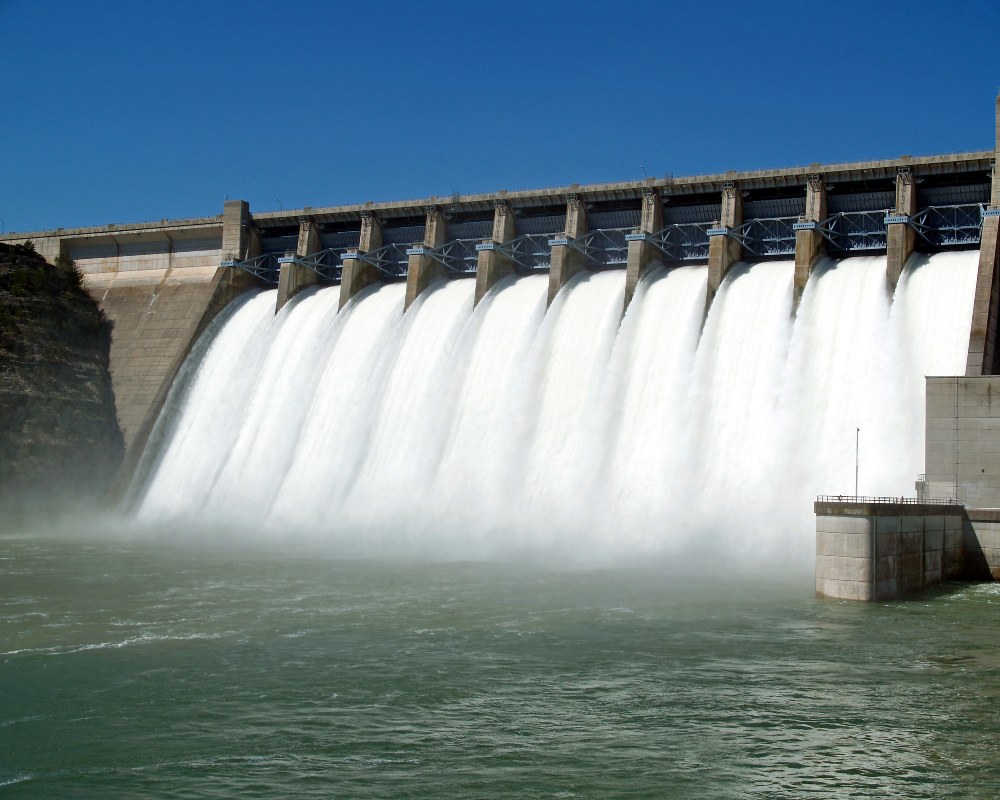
857	444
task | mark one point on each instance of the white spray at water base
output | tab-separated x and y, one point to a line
457	432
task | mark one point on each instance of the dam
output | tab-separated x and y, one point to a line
671	365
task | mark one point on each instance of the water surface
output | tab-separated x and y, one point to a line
141	669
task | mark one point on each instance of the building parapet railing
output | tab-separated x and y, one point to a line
877	500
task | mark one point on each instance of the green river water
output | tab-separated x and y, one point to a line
133	669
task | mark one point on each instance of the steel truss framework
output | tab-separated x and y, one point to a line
773	236
263	267
950	226
391	259
686	241
846	231
603	247
458	256
852	231
325	263
529	252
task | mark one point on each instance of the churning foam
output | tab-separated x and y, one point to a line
460	432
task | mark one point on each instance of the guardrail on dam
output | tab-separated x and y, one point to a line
161	283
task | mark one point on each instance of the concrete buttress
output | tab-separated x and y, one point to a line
423	270
567	261
809	244
293	278
900	237
240	241
356	273
982	358
492	265
724	250
641	253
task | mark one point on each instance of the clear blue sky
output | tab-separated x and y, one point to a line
125	111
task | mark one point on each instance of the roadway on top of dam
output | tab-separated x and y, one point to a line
860	172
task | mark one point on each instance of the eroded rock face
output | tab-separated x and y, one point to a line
60	443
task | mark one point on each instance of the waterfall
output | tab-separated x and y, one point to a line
461	432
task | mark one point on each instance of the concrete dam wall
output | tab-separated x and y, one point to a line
162	283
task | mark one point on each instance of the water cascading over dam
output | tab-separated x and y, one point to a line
452	431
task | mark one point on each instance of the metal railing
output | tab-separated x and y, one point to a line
871	500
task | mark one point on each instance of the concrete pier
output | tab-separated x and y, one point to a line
641	253
882	548
293	278
872	550
982	359
900	237
724	250
356	274
423	270
492	265
566	260
809	243
240	240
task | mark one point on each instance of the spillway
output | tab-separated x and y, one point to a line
508	428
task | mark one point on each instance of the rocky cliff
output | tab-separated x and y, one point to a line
60	443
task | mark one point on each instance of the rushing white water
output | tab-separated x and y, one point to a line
459	432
